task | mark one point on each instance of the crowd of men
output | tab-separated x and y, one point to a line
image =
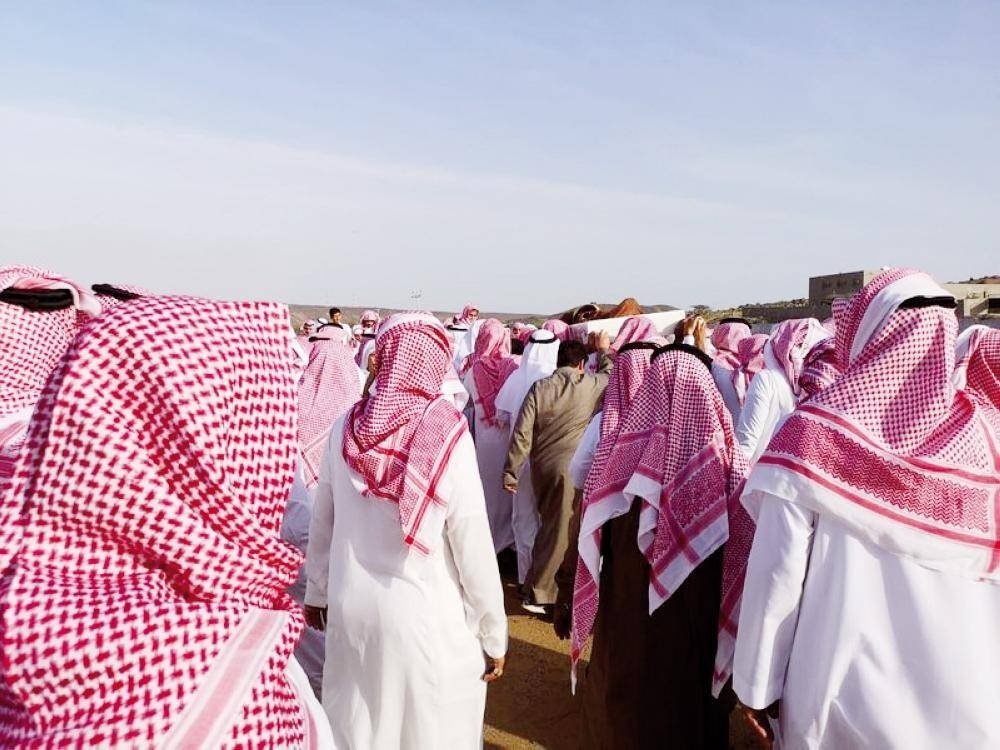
218	532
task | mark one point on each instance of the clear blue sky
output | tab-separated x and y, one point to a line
525	156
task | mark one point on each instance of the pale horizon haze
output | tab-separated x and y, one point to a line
525	156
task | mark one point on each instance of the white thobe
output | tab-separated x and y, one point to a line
491	452
405	632
769	402
525	520
295	530
865	649
723	378
583	458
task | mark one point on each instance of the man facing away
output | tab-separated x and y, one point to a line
551	423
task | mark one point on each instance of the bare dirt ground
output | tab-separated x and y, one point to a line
531	706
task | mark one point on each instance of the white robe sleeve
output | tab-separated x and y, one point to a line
772	593
320	536
298	514
755	419
468	533
583	459
723	378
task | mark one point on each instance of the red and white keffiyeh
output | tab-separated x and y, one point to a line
635	329
369	321
32	341
677	451
978	342
329	387
468	316
602	492
751	351
789	344
151	489
726	339
982	368
891	449
559	328
400	439
491	365
819	368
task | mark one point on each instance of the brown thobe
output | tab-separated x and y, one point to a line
553	418
649	680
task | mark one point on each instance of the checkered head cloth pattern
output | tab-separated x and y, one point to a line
634	329
819	368
329	387
491	365
891	449
32	342
602	492
400	439
751	351
790	343
678	449
151	489
726	339
558	328
468	315
983	369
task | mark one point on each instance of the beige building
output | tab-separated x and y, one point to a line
974	300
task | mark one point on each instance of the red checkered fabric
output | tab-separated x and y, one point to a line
602	493
726	339
369	321
151	489
400	439
635	329
891	449
491	365
790	343
32	343
329	387
558	328
819	368
983	368
677	451
751	351
468	316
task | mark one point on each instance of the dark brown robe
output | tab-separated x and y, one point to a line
649	681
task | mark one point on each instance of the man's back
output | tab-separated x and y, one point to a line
564	403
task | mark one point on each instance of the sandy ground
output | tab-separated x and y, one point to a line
531	706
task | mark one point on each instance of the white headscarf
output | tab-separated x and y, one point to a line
537	362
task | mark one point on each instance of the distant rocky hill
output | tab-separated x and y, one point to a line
980	280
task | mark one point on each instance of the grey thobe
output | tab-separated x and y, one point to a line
553	418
